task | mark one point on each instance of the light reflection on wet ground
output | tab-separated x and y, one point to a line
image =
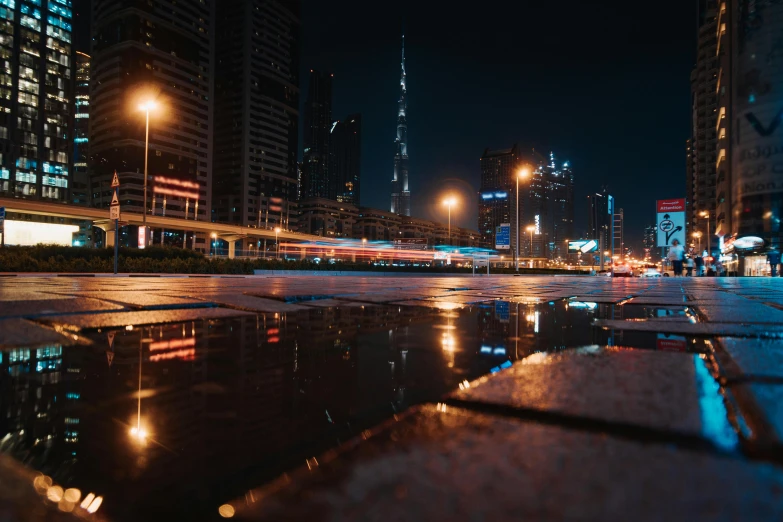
166	421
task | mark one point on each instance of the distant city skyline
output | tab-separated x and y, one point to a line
485	81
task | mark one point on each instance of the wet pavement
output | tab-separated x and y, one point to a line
411	398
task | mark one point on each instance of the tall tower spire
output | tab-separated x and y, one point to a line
400	193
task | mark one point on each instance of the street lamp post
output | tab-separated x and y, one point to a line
706	215
449	203
214	237
146	107
523	173
277	243
364	244
697	235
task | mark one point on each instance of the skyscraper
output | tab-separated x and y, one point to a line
256	111
36	96
497	194
80	188
317	180
400	192
163	51
701	188
602	219
346	146
547	200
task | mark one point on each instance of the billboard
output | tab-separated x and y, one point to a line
503	237
411	243
671	221
583	246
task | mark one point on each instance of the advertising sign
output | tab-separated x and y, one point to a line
583	245
671	221
671	343
503	237
748	243
411	243
142	241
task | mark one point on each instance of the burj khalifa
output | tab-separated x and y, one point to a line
400	193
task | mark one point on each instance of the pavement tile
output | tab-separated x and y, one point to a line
748	312
710	329
769	398
150	298
458	465
642	387
44	307
754	357
21	332
134	318
251	303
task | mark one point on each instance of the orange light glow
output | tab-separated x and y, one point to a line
273	340
185	355
273	331
174	192
172	343
174	181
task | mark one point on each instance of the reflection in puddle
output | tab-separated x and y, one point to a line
167	421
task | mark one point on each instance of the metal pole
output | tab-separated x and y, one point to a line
449	223
146	160
517	222
116	236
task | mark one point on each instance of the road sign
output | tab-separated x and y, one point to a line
503	237
110	336
110	358
671	221
114	200
411	243
114	212
583	245
115	181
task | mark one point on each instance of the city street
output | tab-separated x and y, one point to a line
391	398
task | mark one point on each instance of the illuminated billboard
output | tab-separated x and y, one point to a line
583	245
28	233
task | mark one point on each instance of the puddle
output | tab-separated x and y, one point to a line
165	422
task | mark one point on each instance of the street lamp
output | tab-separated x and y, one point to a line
523	174
147	106
697	235
449	202
277	243
706	215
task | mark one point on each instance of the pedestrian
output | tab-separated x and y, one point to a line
773	258
689	266
676	255
699	262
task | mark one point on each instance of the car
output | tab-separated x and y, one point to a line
650	272
622	271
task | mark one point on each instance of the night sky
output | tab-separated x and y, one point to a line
604	84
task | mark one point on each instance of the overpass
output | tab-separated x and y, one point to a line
100	218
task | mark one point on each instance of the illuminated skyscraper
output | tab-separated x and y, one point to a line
317	178
497	194
346	146
36	96
400	193
80	188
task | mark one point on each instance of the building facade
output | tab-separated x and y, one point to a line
80	188
601	207
255	175
160	52
346	150
36	99
318	180
400	190
702	149
497	194
547	205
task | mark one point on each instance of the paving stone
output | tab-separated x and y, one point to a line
151	299
748	312
43	307
118	319
639	387
754	357
24	333
769	397
711	329
458	465
251	303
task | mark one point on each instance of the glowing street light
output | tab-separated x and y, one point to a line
523	173
697	235
450	202
146	106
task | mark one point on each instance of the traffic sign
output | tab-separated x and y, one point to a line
114	212
114	200
671	221
110	358
503	237
110	336
115	181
